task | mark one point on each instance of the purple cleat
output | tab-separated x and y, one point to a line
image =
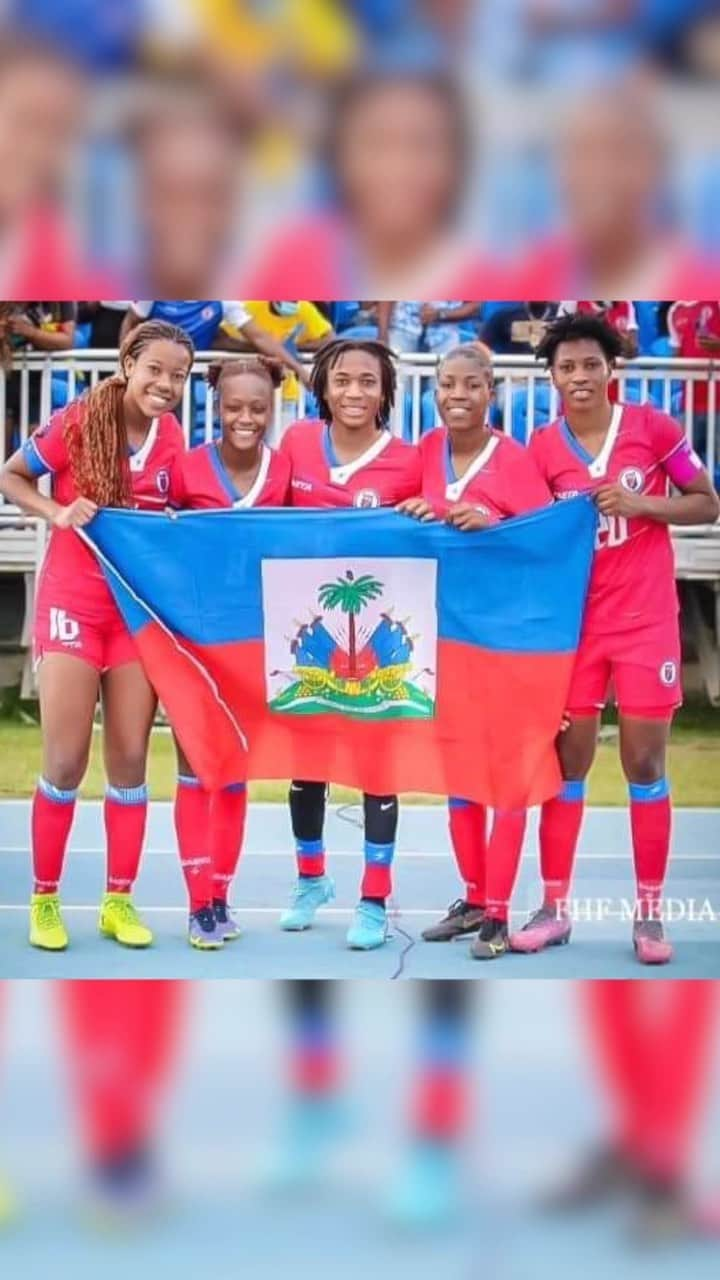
545	928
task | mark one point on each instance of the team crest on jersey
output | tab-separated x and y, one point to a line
162	481
668	673
366	498
632	479
353	654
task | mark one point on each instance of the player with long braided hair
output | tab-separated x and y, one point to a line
116	446
348	459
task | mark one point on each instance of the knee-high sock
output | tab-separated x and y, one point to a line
125	813
650	821
468	822
503	859
381	820
53	811
227	825
560	823
307	814
192	829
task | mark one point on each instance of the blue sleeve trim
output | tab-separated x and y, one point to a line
236	788
188	780
34	459
646	793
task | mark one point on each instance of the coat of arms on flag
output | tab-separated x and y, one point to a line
356	636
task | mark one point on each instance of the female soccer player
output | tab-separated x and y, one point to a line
473	477
349	459
625	456
117	446
239	471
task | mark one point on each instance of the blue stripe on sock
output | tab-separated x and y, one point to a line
127	795
573	790
309	846
456	802
187	780
236	788
56	794
646	793
380	855
445	1041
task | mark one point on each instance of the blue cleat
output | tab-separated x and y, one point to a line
369	928
426	1195
312	1130
310	893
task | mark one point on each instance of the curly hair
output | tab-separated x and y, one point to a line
269	370
95	429
576	328
329	355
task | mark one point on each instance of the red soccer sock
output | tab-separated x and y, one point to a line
227	825
468	822
53	811
503	859
650	821
654	1047
192	829
125	813
121	1039
560	823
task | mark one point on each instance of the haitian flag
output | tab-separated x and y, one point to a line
359	647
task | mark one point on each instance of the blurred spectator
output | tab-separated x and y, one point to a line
619	314
42	96
426	326
694	333
299	326
621	234
189	156
398	157
518	327
34	326
105	322
214	324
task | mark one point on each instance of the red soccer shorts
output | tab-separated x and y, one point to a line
91	630
644	666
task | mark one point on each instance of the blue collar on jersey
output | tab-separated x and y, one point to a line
222	473
575	444
450	473
330	455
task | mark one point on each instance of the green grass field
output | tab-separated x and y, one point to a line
694	763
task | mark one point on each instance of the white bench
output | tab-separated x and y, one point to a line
22	542
697	560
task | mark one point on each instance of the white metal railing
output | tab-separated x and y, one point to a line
524	394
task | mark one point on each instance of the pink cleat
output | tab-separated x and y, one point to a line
651	946
545	928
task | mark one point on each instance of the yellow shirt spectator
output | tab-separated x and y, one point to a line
304	326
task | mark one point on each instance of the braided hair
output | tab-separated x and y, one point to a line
95	429
269	370
7	311
330	355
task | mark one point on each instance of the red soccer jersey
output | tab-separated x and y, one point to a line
69	561
204	482
386	473
620	315
687	323
633	576
502	481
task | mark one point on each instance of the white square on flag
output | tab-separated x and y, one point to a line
354	636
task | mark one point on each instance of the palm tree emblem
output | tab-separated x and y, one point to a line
350	595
